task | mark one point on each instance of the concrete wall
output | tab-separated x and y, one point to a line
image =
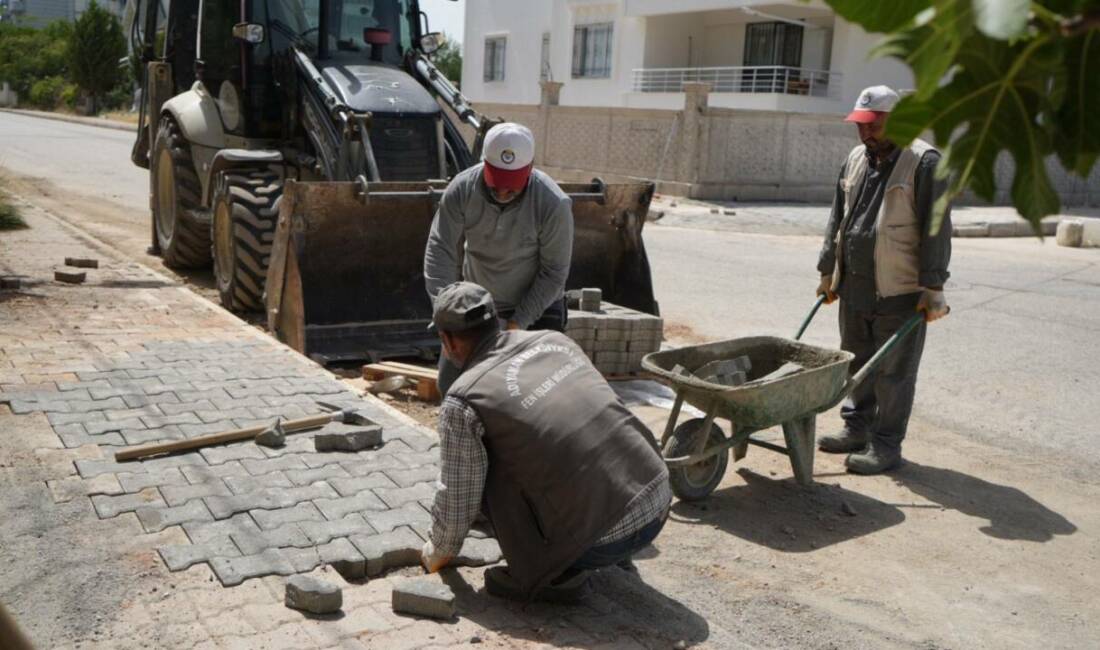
8	97
702	151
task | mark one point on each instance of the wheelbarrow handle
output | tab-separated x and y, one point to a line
876	360
810	317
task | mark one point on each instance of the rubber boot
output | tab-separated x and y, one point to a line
842	443
875	459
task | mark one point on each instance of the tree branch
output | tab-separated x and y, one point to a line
1081	24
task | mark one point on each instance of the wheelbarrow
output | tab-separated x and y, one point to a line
695	449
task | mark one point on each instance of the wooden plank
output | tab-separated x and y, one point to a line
428	391
408	372
413	367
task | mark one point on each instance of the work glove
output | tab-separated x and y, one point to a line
432	561
933	304
825	289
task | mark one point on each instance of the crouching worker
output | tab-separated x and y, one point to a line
571	481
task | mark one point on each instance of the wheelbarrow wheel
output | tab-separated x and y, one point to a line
696	482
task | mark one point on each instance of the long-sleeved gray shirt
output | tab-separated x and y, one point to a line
519	251
857	285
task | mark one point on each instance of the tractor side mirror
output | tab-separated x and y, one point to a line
249	32
430	43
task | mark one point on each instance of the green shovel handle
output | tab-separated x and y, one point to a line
809	317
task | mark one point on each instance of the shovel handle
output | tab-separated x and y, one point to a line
809	317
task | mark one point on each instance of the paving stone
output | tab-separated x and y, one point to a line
273	436
303	559
175	495
132	482
264	465
204	473
184	407
355	485
338	436
73	435
342	555
175	460
248	483
428	597
411	515
112	506
57	419
214	415
129	413
322	531
204	532
419	458
397	497
155	519
225	453
311	594
314	460
389	550
233	571
302	512
178	557
340	507
252	542
410	477
144	436
478	552
69	488
156	421
227	403
89	405
95	428
323	473
89	467
411	437
269	499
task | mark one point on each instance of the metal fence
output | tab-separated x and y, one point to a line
747	79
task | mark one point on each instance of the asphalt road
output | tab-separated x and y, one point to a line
1014	365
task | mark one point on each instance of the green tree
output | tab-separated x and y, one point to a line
1021	76
448	59
28	55
96	46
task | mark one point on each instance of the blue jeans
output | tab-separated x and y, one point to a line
606	555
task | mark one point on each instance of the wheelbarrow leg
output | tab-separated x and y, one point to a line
675	415
799	436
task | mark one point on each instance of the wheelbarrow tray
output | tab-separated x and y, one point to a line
757	405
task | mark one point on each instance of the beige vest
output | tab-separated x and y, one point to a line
897	227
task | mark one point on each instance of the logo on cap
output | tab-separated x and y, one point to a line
508	156
865	99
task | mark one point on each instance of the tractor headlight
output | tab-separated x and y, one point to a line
229	104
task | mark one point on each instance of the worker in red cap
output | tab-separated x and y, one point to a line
508	227
883	262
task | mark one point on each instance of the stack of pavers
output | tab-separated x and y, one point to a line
614	338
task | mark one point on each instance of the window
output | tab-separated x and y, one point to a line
494	58
592	50
773	44
544	60
348	21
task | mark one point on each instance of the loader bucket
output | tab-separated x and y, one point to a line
345	280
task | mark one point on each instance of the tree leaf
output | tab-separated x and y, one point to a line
1002	19
1076	135
991	105
879	15
930	48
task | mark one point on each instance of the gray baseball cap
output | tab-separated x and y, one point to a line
461	306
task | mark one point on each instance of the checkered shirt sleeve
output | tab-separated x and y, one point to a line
651	503
464	464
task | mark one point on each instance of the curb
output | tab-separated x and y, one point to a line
1006	229
103	123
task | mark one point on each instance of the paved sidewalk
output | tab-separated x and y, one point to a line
188	550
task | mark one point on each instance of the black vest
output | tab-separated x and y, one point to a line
566	458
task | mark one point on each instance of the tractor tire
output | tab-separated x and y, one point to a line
696	482
182	237
246	209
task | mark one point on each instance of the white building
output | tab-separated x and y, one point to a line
772	56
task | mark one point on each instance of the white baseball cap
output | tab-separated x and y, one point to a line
509	153
873	102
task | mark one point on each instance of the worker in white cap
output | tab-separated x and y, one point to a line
883	263
509	228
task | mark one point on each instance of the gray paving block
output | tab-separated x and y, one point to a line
204	532
252	542
342	555
313	595
303	559
67	386
416	441
72	487
95	466
356	484
129	413
248	483
175	460
428	597
303	512
144	436
154	519
410	477
153	421
323	473
192	395
269	499
133	482
411	515
57	419
185	407
74	436
175	495
264	465
320	459
390	550
320	532
178	557
478	552
204	473
397	497
345	437
77	406
419	458
235	570
214	415
112	506
340	507
196	430
225	453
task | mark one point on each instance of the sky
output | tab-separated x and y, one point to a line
446	16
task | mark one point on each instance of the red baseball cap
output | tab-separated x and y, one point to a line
509	154
873	102
863	117
507	179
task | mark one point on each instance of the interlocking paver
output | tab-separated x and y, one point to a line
154	421
256	541
112	506
320	532
398	497
276	518
150	411
175	495
203	473
95	428
248	483
155	519
185	407
339	508
178	557
268	499
323	473
70	418
234	571
389	550
131	482
264	465
144	436
411	515
89	467
355	485
226	453
410	477
71	487
204	532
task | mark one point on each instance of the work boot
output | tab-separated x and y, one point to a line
566	589
875	459
842	443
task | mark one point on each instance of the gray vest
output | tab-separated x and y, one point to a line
566	458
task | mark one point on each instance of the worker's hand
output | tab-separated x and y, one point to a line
933	304
432	561
512	325
824	288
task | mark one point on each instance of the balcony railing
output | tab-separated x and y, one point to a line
746	79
